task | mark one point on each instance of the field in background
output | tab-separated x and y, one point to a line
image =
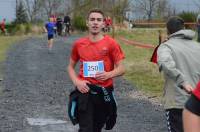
140	71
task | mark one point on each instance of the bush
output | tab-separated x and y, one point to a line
188	16
20	29
28	27
79	23
10	28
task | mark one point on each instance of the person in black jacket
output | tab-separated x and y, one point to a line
59	25
67	24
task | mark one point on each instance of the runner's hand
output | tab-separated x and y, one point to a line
82	86
103	76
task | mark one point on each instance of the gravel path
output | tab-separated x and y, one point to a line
36	88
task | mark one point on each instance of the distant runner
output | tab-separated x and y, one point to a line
67	24
2	26
49	28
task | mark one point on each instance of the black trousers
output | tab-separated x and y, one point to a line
94	117
174	120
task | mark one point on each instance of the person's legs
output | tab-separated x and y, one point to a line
100	114
174	120
50	42
67	29
191	121
3	30
86	118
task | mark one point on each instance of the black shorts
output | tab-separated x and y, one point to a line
193	105
50	36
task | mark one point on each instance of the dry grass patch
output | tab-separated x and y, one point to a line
139	70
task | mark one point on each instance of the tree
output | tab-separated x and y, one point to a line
119	9
21	15
51	6
147	7
33	8
163	9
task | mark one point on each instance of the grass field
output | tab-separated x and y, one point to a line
139	70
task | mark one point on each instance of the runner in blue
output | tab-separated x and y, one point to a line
49	29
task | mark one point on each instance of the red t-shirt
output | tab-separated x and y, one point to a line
196	91
106	50
2	25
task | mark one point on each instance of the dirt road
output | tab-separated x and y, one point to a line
36	88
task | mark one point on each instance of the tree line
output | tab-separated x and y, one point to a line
39	10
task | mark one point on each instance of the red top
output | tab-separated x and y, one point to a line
106	50
154	57
108	21
196	91
2	25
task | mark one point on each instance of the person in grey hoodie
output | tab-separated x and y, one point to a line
178	59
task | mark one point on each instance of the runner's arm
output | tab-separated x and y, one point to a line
45	29
80	84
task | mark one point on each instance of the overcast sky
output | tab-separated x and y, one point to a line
7	7
187	5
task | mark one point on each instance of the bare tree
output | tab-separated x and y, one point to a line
163	9
148	7
67	6
51	6
21	14
120	8
32	8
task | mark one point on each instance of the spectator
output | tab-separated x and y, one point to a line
108	24
67	23
59	25
2	26
178	60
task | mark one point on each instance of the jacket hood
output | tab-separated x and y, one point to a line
185	33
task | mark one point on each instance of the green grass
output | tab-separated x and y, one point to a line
139	70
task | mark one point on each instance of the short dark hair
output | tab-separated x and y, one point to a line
95	10
174	24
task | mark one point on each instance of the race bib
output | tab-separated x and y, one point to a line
90	68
